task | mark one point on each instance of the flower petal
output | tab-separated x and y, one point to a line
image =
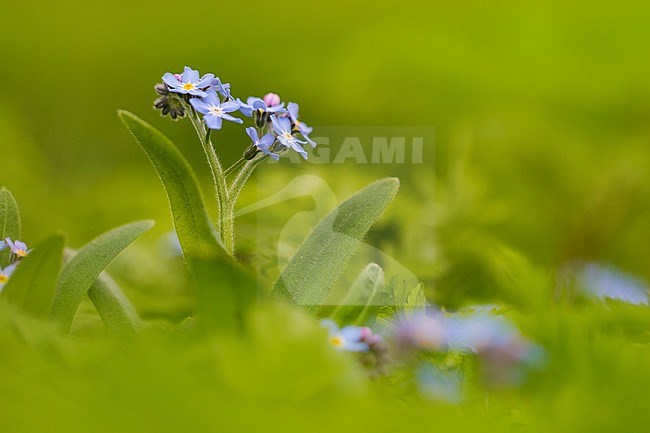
230	106
190	75
213	122
252	133
293	110
200	106
170	80
231	118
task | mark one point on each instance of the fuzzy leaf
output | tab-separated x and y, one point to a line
196	233
310	275
32	285
363	298
83	269
10	225
117	312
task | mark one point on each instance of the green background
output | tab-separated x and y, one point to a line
540	111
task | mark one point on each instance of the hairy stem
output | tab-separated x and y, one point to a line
226	220
242	177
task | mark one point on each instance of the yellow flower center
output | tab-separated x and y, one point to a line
287	136
188	86
336	341
3	278
21	253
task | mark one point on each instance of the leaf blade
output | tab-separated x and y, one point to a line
10	222
115	309
196	233
32	285
362	298
82	270
308	278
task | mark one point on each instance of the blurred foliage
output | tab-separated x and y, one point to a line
541	158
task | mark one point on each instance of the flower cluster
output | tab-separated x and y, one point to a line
209	100
17	250
503	351
374	350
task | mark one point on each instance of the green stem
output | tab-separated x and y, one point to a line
234	166
226	219
242	177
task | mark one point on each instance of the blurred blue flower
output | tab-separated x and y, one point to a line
18	248
348	338
5	274
264	144
607	282
301	127
438	384
282	127
504	352
3	245
214	111
422	332
189	82
258	104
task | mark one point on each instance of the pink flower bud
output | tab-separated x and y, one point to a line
179	77
271	99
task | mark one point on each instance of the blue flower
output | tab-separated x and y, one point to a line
3	245
5	274
301	127
214	111
252	104
189	82
221	88
18	248
282	127
348	338
264	144
607	282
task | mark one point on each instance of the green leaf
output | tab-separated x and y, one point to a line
31	287
83	269
415	300
225	292
363	298
310	275
10	225
115	309
196	233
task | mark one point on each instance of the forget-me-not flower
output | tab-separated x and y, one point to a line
607	282
3	245
18	248
271	99
5	274
214	111
264	144
348	338
301	127
282	127
221	88
258	104
189	82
